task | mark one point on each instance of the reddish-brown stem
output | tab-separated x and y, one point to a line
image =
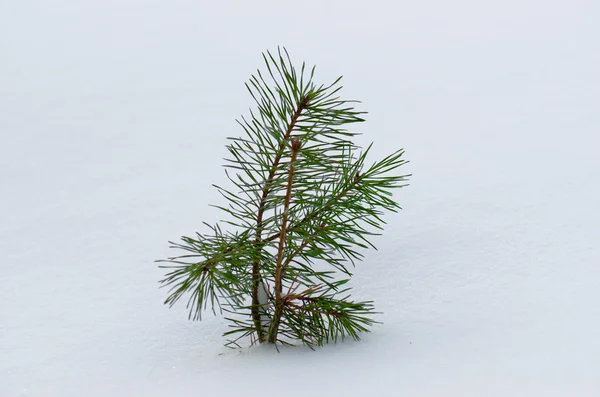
282	237
260	213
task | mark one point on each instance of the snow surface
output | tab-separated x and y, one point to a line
113	121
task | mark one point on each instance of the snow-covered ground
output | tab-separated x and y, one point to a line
113	119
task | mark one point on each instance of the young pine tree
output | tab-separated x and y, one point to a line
302	205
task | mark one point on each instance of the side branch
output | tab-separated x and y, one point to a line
318	211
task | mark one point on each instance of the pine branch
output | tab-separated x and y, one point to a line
315	316
301	195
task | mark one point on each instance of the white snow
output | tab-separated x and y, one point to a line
113	119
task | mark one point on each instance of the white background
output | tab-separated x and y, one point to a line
113	119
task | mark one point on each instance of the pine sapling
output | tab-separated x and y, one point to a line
302	205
